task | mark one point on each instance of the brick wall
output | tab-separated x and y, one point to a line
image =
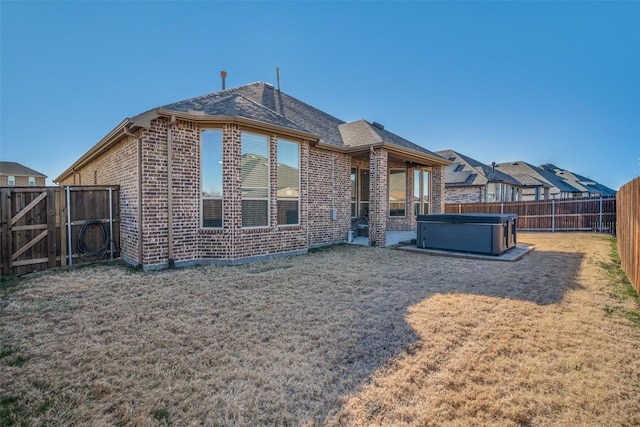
324	186
329	187
379	196
22	181
437	190
469	194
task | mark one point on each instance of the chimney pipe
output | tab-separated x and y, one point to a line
278	77
223	74
493	167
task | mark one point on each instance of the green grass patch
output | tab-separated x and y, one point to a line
9	357
620	289
162	415
11	413
10	284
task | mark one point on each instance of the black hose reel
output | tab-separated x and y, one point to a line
87	253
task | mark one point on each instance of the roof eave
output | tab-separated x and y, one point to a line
392	148
104	144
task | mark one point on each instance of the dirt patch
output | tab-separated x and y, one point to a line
349	335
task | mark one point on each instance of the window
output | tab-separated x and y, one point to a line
421	185
288	174
32	181
255	180
354	192
364	193
397	192
211	173
491	192
11	180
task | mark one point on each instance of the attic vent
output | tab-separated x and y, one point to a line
378	125
515	163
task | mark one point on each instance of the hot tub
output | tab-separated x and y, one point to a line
479	233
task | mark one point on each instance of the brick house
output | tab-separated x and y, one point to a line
470	181
249	173
14	174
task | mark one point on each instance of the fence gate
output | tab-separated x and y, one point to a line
34	236
27	229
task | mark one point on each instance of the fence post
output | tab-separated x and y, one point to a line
600	217
110	223
553	215
459	207
69	249
501	207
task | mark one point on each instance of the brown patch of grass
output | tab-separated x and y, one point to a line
347	335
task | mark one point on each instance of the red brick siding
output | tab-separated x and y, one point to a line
437	190
379	196
329	186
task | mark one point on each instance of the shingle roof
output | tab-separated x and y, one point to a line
13	168
578	181
530	175
277	108
526	174
477	173
262	102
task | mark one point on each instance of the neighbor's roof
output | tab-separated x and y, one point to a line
468	171
579	181
16	169
524	173
530	175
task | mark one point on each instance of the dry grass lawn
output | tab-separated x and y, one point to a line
342	336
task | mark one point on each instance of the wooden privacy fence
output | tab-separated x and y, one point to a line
47	227
585	214
629	230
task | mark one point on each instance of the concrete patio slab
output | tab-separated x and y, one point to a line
510	255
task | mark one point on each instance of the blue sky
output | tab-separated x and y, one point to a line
541	82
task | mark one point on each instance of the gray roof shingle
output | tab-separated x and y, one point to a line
13	168
479	173
262	102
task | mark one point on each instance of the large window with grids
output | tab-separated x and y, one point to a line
255	180
397	192
288	177
211	176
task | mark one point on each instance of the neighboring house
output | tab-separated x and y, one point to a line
467	180
251	172
13	174
587	186
537	183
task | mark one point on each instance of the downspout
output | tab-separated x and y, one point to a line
172	263
139	148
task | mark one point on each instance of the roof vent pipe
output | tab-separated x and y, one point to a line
278	77
223	74
493	167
